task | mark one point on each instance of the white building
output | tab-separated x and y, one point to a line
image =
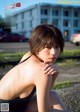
65	17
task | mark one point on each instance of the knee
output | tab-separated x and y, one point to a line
56	101
54	97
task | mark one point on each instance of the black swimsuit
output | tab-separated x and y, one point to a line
19	105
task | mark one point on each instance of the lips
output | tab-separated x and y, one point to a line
53	58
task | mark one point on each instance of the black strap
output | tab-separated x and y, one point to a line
24	60
32	93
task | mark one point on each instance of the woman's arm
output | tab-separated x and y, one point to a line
43	85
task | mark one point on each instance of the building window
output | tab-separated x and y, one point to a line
66	13
23	25
44	12
30	23
76	31
66	23
55	13
30	12
66	34
22	15
44	21
75	23
55	22
16	25
16	17
76	13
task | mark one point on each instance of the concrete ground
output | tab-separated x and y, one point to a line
20	47
69	73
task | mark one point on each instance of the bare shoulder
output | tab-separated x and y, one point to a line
25	56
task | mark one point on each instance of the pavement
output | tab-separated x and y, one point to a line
69	73
71	98
24	47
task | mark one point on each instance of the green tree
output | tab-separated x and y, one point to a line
4	25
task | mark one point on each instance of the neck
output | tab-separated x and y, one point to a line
38	58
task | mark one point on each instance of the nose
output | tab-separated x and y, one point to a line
55	51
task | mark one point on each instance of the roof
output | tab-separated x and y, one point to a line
46	4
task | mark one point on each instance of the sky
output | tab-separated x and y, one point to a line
5	4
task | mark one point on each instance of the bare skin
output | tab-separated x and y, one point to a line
32	74
49	69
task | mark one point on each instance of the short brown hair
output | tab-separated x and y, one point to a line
45	35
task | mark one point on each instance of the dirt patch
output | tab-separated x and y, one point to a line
68	73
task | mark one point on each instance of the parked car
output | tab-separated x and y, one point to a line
75	38
2	36
12	37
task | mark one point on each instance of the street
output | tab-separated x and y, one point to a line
21	47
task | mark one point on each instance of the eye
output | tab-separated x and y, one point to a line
57	48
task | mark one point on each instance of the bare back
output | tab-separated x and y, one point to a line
17	82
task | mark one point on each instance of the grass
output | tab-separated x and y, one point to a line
70	53
18	55
68	62
65	84
61	85
11	56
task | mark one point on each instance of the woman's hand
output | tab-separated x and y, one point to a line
51	69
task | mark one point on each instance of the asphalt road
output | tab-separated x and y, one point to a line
21	47
14	47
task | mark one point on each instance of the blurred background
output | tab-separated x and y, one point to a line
17	20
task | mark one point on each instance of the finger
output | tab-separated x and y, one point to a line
46	66
49	70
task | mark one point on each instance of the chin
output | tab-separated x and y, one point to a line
52	61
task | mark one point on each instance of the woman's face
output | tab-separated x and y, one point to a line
49	54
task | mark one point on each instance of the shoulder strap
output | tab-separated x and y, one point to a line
32	93
24	60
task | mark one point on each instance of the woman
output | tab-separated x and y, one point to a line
21	82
